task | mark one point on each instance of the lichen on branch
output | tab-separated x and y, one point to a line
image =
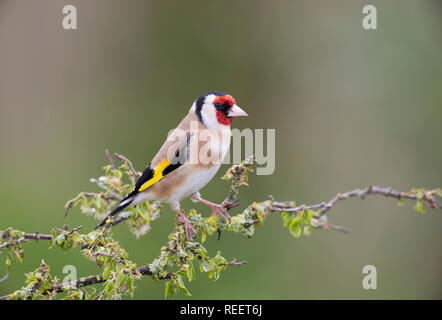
179	260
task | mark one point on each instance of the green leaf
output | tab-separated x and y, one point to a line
120	279
309	215
191	272
109	287
130	286
307	230
296	230
204	266
98	202
181	286
107	272
169	291
419	207
9	262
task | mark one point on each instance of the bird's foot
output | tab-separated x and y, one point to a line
219	210
216	208
190	231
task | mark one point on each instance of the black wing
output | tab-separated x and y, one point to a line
148	175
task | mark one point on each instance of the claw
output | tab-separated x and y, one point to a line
216	208
219	210
190	231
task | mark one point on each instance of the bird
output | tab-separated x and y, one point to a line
188	159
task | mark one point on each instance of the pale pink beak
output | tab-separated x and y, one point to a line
236	111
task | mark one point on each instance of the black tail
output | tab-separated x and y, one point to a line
123	204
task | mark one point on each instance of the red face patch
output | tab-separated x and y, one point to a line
227	100
222	118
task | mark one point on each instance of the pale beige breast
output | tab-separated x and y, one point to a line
206	150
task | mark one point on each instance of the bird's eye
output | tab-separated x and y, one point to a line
221	107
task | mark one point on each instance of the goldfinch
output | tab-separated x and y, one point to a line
188	159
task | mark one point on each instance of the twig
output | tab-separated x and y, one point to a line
131	167
4	278
329	226
31	236
109	157
69	205
110	256
239	176
11	242
361	193
234	263
87	281
98	297
106	196
232	201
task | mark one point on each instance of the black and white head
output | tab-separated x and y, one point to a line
216	109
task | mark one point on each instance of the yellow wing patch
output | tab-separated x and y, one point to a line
157	175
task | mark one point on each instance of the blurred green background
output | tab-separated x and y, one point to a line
350	107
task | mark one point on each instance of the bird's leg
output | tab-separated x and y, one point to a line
181	217
190	231
216	208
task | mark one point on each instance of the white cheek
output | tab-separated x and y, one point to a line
208	113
